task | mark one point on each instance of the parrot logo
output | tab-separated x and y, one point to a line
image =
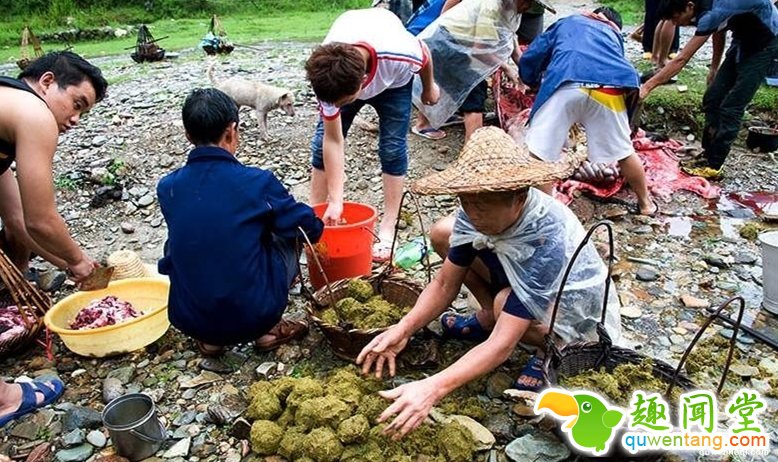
589	421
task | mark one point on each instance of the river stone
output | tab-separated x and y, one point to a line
204	378
497	384
96	438
483	437
73	438
123	374
501	426
112	389
540	446
631	311
76	454
646	274
744	370
180	449
694	302
769	364
81	417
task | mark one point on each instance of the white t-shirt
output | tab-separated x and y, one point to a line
395	54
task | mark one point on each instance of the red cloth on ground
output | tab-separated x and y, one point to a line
663	173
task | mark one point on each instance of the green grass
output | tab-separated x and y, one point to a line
186	33
632	11
682	109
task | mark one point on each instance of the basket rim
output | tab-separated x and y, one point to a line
75	333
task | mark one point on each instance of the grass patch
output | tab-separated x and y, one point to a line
186	33
632	11
685	109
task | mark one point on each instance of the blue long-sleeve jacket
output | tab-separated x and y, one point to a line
578	49
227	281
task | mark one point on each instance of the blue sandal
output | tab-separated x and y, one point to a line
533	369
29	400
464	328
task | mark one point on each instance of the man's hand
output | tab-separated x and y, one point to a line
332	215
412	403
83	268
431	95
382	349
644	92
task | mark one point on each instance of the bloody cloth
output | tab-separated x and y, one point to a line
663	172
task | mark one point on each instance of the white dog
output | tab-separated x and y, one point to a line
262	97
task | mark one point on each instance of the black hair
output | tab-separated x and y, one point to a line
612	15
669	8
207	113
68	69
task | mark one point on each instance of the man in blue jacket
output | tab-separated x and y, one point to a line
230	252
584	78
733	83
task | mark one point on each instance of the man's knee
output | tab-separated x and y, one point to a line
440	234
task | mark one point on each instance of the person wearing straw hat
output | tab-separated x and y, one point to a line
583	76
510	246
47	100
231	250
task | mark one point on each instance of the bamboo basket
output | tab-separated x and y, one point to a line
577	357
395	287
32	304
28	39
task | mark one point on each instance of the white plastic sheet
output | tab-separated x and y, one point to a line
467	43
535	252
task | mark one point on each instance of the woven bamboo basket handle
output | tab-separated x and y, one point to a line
426	258
696	338
603	334
304	288
31	302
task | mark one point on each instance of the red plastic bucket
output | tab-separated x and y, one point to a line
344	251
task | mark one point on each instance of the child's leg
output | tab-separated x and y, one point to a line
477	278
394	119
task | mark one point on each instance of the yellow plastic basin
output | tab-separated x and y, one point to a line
148	295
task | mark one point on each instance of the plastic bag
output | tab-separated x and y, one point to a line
467	43
535	252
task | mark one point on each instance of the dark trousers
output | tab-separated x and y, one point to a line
726	99
649	27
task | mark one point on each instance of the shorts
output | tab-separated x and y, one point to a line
601	111
476	99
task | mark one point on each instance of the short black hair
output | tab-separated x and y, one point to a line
68	69
669	8
611	14
207	113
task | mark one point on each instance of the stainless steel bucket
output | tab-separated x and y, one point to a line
136	432
769	241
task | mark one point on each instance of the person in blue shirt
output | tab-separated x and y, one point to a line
584	78
731	84
230	253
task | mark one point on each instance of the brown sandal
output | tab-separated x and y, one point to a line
210	351
284	332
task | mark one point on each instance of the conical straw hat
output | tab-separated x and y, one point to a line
127	264
492	161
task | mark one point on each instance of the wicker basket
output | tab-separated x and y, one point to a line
32	304
394	287
345	341
577	357
28	39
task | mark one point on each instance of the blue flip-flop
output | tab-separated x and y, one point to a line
475	332
533	369
29	400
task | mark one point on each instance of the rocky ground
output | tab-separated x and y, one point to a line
669	269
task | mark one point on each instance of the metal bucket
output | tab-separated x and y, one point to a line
769	242
136	432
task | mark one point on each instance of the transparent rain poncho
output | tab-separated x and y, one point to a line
534	253
467	43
